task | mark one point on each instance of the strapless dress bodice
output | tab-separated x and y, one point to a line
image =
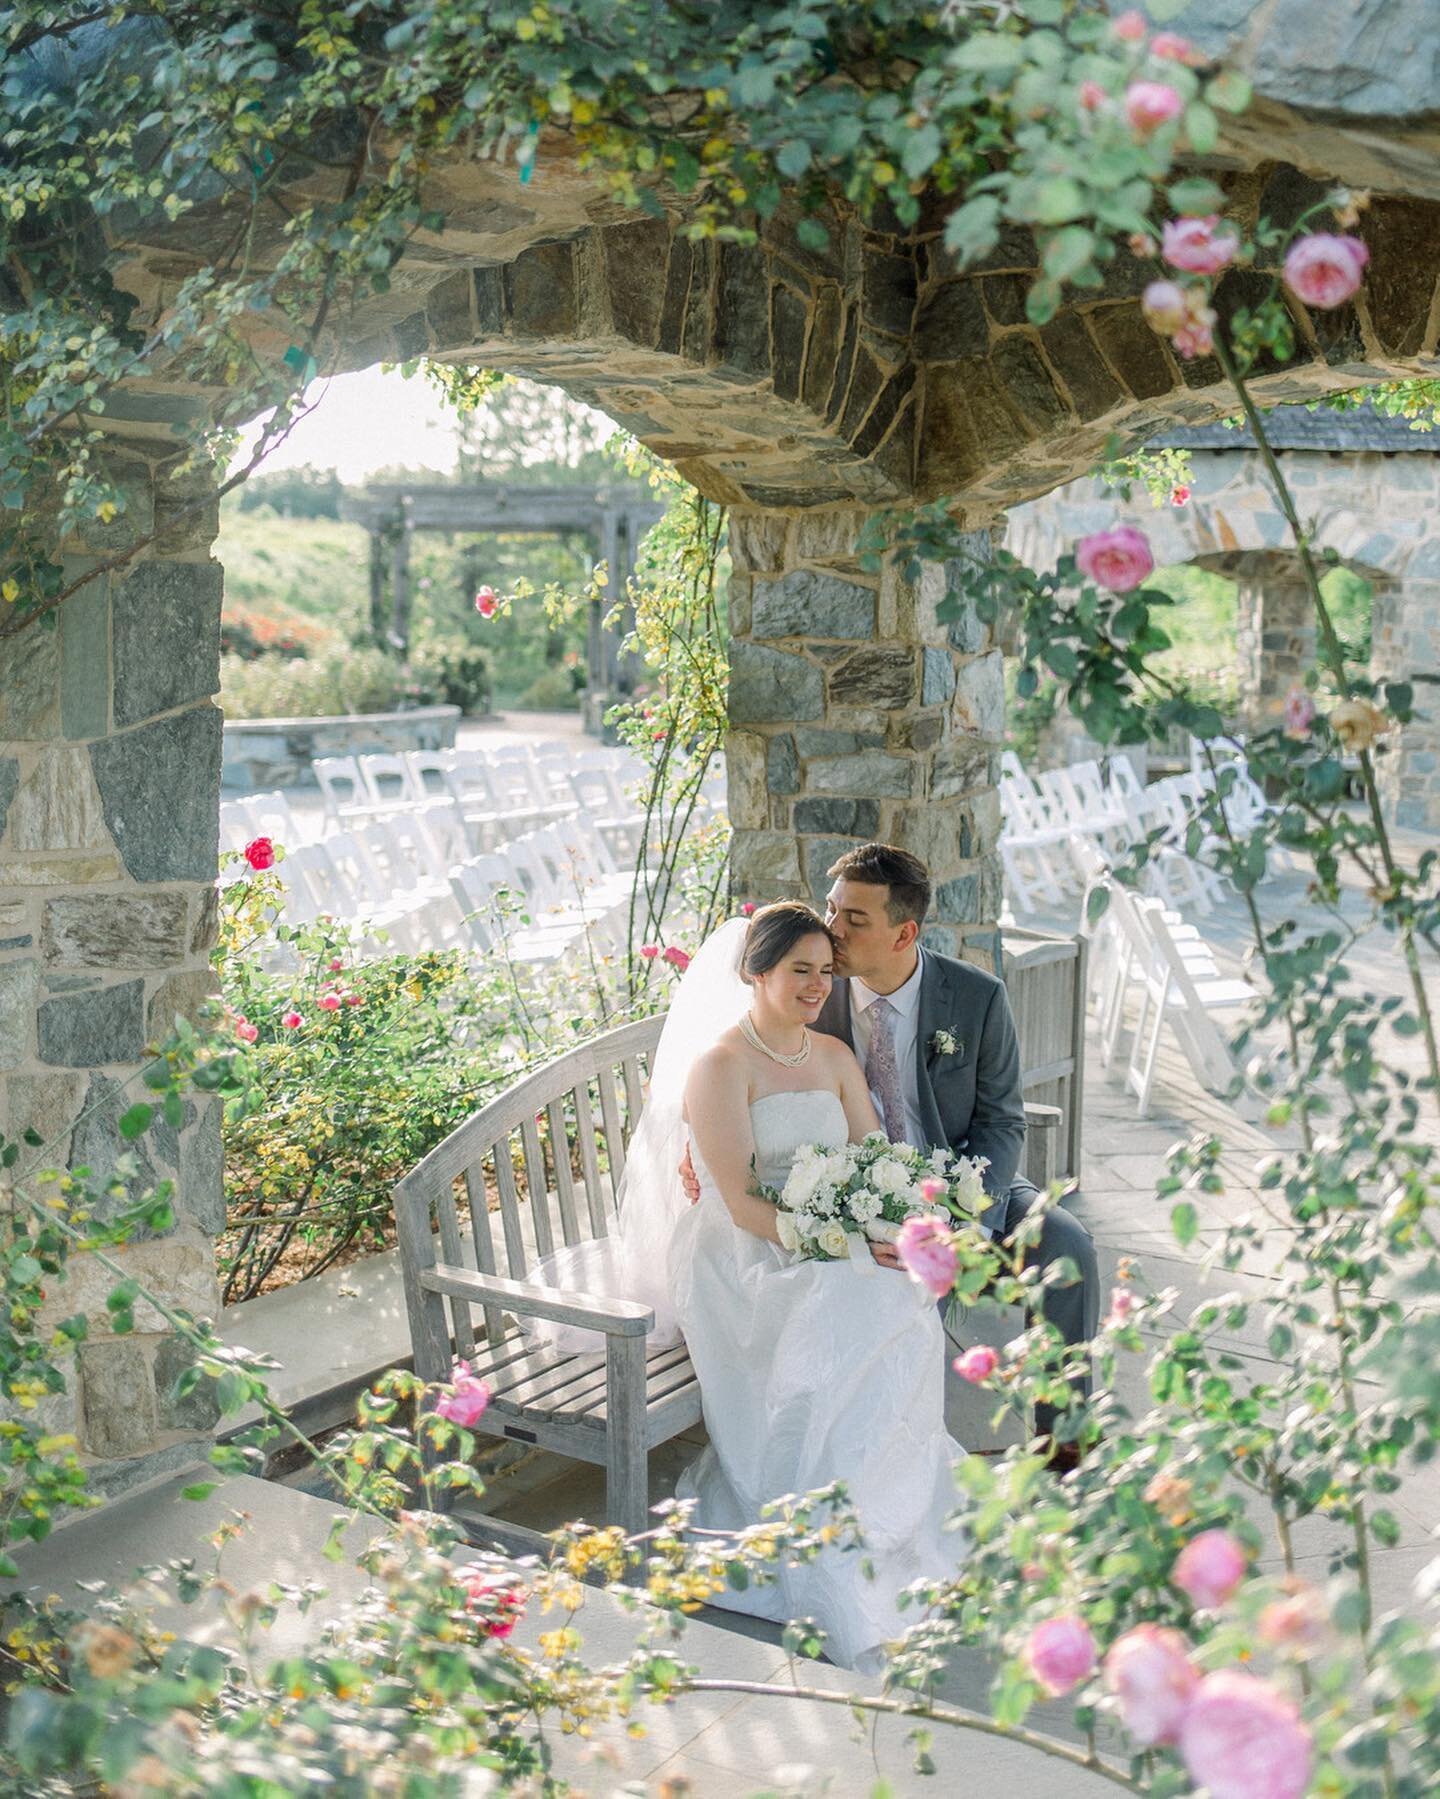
783	1123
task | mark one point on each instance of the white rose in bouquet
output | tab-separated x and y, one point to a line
833	1241
785	1229
890	1176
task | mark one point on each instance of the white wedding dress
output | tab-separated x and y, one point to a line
812	1372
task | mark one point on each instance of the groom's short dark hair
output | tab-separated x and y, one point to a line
883	865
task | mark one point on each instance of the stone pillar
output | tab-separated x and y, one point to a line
1274	639
856	715
1405	646
109	784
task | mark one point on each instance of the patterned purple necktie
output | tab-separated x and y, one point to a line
882	1073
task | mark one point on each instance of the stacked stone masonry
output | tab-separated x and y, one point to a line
109	771
856	715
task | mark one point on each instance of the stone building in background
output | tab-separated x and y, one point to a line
1368	488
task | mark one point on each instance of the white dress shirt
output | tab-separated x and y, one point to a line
906	1001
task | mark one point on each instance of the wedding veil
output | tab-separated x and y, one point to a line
633	1262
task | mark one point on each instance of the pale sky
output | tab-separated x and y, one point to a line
364	422
377	419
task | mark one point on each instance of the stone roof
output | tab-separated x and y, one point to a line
1298	428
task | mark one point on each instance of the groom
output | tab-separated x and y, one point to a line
937	1042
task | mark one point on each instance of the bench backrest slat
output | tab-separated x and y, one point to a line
537	1186
450	1248
515	1265
483	1239
614	1132
595	1200
564	1179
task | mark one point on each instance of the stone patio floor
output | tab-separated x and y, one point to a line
730	1743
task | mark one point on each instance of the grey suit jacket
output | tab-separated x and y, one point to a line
970	1100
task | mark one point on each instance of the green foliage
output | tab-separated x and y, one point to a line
329	685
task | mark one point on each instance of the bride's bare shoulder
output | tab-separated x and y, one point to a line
724	1060
831	1052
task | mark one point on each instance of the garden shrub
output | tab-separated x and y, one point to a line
555	690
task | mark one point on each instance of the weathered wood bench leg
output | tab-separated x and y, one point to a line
626	1460
1042	1130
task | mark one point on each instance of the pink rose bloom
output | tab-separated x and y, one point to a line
485	602
1166	306
1209	1568
336	965
1324	270
1297	1625
1180	496
1118	559
245	1031
977	1364
1171	46
1241	1739
649	951
1092	96
1196	246
498	1605
352	999
1153	1680
292	1021
677	958
1151	104
260	853
1122	1304
1299	712
932	1189
927	1253
1130	26
748	909
1194	338
467	1398
329	1002
1060	1654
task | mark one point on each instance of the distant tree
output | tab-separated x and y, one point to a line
295	493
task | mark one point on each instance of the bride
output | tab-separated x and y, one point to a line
810	1372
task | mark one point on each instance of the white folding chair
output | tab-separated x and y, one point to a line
388	780
1179	990
346	796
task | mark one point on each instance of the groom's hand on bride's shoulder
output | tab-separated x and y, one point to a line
688	1178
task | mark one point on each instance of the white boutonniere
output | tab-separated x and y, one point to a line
945	1043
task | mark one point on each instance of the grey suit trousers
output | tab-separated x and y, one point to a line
1073	1309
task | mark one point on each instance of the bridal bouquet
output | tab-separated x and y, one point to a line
868	1190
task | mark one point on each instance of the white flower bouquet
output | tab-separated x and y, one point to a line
834	1200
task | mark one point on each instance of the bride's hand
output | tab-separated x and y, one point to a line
886	1255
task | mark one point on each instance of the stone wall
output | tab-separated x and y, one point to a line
109	774
1274	635
856	715
1405	646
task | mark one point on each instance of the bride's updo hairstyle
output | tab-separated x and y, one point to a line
774	932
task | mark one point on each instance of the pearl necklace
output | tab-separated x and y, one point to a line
753	1037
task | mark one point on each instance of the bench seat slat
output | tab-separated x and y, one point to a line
585	1382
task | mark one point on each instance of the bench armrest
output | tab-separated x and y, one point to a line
1042	1118
614	1317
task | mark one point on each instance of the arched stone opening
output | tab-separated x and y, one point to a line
803	389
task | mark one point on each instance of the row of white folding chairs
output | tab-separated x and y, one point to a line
1143	951
267	815
500	791
397	876
1109	809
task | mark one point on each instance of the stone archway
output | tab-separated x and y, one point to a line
801	388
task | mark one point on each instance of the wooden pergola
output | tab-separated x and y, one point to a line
611	520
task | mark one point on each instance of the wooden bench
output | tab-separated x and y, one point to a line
607	1408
